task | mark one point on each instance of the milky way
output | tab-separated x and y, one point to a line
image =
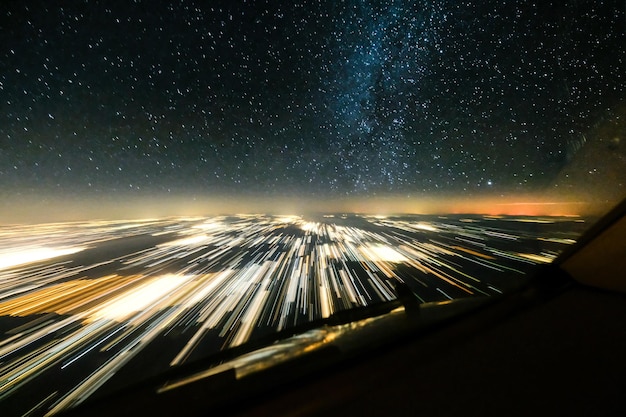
314	99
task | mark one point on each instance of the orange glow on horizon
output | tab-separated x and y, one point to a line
491	206
527	208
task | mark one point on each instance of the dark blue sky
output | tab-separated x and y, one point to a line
321	98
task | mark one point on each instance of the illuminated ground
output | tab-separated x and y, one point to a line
82	303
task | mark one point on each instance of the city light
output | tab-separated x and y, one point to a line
84	294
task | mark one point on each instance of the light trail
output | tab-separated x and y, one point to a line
85	300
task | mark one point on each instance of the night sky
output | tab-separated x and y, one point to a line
321	100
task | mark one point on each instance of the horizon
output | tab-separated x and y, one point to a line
32	209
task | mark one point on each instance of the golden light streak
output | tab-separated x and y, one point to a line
537	258
472	252
139	298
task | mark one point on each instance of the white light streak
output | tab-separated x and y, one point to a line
9	259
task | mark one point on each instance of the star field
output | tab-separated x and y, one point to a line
328	98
